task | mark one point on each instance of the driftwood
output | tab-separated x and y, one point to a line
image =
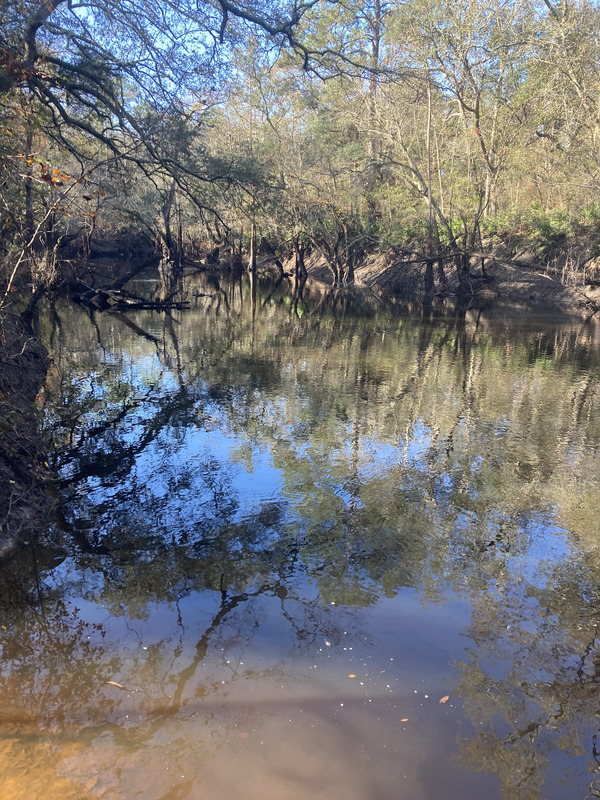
120	300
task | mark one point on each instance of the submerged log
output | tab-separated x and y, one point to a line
120	300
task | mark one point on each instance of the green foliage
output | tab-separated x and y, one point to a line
545	231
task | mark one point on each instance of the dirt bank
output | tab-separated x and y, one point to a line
507	283
23	366
517	278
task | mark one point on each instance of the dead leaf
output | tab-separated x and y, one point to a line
114	683
445	699
404	720
352	676
328	644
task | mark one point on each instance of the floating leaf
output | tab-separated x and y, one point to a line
445	699
352	676
327	644
404	720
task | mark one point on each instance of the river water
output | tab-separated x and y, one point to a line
305	549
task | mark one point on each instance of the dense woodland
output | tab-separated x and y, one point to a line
197	130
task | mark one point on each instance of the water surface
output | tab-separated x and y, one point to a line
307	550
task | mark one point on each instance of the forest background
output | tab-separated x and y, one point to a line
434	131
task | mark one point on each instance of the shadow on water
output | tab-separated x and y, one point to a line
305	546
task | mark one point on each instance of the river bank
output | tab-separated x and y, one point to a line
521	275
514	284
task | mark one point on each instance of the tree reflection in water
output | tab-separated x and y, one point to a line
263	496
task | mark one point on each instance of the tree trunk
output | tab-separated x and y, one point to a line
29	214
376	34
252	265
461	261
299	265
170	266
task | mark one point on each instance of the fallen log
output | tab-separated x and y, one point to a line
120	300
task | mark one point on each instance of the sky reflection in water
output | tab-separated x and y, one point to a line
287	536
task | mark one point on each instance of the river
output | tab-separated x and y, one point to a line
305	548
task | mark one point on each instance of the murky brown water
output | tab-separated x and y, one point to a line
307	551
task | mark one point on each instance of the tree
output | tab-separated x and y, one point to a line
110	74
